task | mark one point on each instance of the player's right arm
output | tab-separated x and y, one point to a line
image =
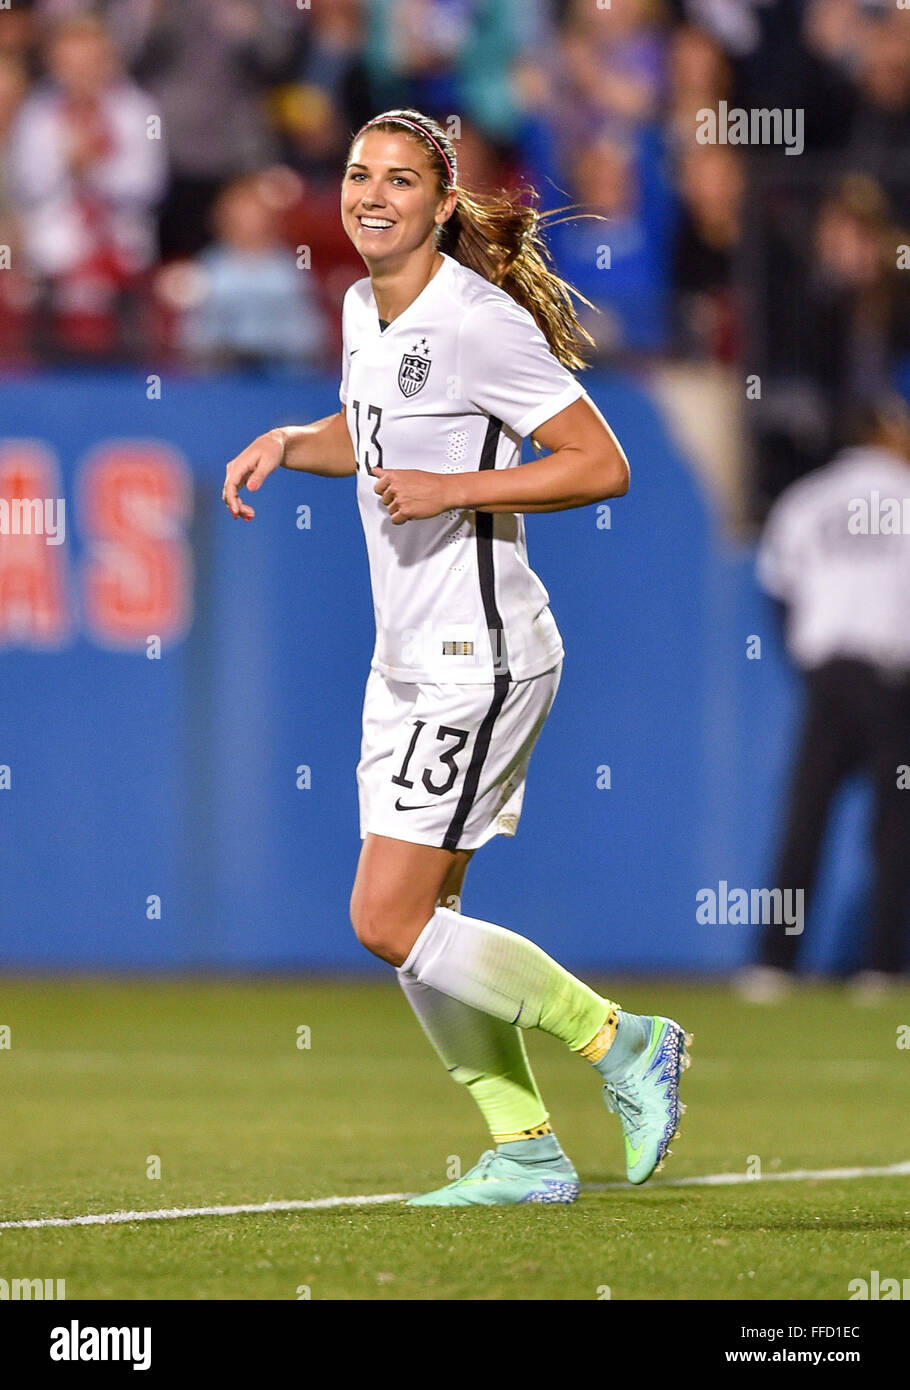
322	447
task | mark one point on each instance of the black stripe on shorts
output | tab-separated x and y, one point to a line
497	638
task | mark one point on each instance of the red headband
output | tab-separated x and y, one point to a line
402	120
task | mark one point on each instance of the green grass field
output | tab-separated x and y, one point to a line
208	1076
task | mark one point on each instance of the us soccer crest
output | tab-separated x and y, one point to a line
414	369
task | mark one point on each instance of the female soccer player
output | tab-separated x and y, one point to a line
457	345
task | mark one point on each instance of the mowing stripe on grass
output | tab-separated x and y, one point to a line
115	1218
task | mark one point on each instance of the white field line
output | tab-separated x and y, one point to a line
891	1170
119	1218
115	1218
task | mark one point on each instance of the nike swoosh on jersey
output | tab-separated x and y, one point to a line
417	807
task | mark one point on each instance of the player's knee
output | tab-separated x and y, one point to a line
376	929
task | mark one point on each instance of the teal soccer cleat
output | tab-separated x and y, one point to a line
497	1180
646	1098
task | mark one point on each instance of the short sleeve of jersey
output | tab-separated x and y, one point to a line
345	354
507	369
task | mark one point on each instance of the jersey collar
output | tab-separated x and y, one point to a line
443	271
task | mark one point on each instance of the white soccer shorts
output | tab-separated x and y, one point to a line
445	764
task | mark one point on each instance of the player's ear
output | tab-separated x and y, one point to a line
448	207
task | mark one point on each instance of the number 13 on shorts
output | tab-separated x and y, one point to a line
445	764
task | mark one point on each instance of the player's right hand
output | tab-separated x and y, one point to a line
250	470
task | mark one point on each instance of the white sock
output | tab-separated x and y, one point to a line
504	974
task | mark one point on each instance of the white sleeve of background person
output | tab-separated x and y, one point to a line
848	590
506	367
775	560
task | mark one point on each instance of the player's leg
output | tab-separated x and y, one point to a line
500	972
487	1056
481	1052
474	789
640	1058
394	877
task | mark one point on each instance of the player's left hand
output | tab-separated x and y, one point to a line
412	495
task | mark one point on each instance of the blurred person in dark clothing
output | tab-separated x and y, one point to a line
711	183
835	554
786	54
834	315
484	165
699	75
207	64
313	130
879	139
328	94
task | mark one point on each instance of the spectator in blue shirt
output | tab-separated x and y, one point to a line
254	304
620	262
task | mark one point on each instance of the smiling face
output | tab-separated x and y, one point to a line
390	198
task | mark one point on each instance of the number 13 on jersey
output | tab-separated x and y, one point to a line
372	453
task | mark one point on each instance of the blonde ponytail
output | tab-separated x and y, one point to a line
500	237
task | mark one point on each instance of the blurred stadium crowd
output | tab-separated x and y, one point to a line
177	240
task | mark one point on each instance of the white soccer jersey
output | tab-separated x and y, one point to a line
452	385
833	551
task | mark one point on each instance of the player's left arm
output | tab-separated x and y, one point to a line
585	464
